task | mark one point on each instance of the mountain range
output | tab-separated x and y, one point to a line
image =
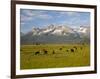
56	34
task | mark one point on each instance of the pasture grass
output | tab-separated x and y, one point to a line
61	58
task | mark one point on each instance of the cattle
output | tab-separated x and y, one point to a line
81	48
37	43
75	47
45	51
53	52
67	50
21	50
72	50
38	52
83	43
60	48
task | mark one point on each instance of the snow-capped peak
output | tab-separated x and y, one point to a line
60	30
83	29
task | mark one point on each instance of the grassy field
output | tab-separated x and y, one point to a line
58	55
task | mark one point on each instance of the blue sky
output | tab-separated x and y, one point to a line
30	18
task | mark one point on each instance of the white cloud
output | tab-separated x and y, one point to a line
69	13
44	16
27	12
72	13
22	23
30	14
25	18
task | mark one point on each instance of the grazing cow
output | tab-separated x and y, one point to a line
83	44
60	48
81	48
75	47
37	43
45	51
67	50
53	52
21	50
36	53
72	50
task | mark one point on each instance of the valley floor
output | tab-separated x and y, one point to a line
54	56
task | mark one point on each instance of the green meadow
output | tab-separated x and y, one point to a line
57	56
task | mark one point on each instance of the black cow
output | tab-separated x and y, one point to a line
75	47
60	48
36	53
37	43
45	51
72	50
81	48
53	52
21	50
67	50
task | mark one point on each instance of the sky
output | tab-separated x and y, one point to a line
30	18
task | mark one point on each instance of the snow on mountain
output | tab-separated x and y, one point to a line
61	30
53	30
57	34
82	29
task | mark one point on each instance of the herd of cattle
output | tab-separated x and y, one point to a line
73	49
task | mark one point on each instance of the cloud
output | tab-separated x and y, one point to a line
25	18
69	14
44	16
27	12
27	15
75	18
77	21
72	13
22	23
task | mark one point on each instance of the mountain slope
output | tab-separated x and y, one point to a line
56	34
